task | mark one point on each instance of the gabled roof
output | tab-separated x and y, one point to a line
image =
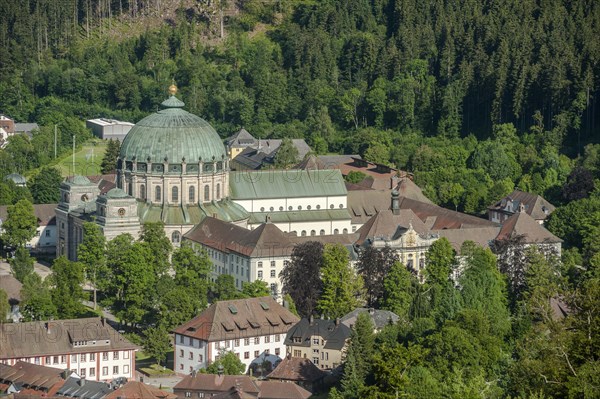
281	390
234	393
408	189
286	184
74	388
45	214
139	390
389	226
521	224
479	235
33	376
216	383
265	240
442	218
240	139
380	317
334	333
40	338
535	206
297	369
239	318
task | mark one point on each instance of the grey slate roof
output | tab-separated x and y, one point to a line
74	388
380	317
334	334
535	206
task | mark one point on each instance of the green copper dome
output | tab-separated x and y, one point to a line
174	134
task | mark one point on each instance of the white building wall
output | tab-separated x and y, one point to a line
78	362
193	354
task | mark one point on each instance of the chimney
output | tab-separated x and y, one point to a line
337	321
194	373
81	382
395	202
311	319
268	219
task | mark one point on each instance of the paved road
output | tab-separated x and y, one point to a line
42	270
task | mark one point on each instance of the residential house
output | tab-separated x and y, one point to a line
249	153
198	385
379	317
138	390
534	205
215	386
76	387
300	371
45	235
89	347
246	327
321	341
30	379
239	142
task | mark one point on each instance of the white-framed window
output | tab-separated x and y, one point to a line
126	369
92	371
115	369
104	370
125	354
260	274
273	273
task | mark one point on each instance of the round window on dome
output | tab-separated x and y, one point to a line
332	206
281	208
271	209
158	167
262	208
309	207
191	168
141	167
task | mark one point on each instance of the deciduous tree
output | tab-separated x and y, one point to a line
301	276
342	287
21	265
20	225
67	293
45	186
157	343
92	254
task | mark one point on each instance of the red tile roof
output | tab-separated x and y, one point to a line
297	369
239	318
139	390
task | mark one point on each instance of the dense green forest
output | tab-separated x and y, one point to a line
474	98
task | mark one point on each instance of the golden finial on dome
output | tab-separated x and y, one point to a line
173	89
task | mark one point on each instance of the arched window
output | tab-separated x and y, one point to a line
206	193
345	231
336	231
218	191
175	237
192	194
157	194
130	188
322	232
313	233
175	194
303	234
142	191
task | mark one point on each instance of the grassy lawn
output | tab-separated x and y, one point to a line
87	159
148	366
